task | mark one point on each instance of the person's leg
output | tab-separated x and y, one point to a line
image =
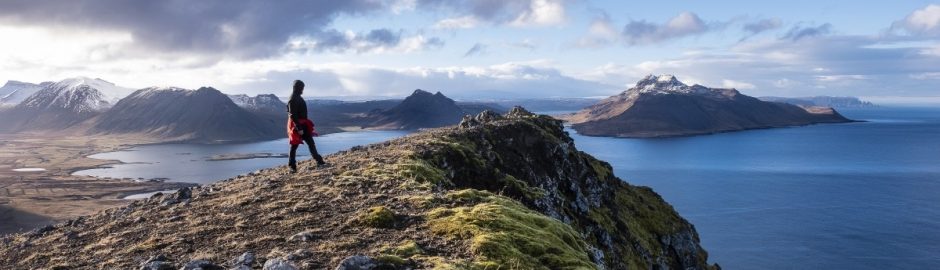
313	149
292	158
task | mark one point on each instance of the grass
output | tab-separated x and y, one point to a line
504	234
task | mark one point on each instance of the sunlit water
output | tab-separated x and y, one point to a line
841	196
190	162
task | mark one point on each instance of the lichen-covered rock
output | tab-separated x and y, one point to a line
518	112
357	262
278	264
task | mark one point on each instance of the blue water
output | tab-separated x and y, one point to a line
840	196
189	162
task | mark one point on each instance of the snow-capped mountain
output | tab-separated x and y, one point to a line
14	92
660	106
268	103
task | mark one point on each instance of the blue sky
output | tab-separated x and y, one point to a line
486	49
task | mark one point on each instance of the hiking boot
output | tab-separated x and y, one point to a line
293	169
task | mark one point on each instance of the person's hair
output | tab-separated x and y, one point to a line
298	86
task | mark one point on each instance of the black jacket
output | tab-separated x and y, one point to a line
297	108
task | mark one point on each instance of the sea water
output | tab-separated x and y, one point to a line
837	196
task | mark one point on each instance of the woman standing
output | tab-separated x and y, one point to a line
299	128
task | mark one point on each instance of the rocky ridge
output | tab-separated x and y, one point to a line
496	192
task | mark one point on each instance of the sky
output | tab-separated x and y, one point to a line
486	49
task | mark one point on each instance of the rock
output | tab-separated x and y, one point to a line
468	122
299	254
158	262
240	267
278	264
247	258
519	112
200	265
358	262
41	231
487	116
303	237
180	196
157	265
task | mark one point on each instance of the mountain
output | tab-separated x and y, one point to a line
268	103
823	101
14	92
497	192
660	106
419	110
60	105
203	115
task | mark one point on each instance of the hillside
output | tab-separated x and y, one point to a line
14	92
660	106
494	193
58	106
203	115
419	110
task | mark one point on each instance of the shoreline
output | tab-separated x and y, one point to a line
32	199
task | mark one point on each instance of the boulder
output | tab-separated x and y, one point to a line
278	264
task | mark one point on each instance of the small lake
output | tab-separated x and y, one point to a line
191	162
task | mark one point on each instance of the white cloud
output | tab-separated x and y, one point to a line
542	13
925	21
736	84
457	23
840	78
926	76
682	25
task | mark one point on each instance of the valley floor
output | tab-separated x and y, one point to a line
32	199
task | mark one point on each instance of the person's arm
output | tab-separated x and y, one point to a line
290	114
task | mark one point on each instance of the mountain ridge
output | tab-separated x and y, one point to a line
662	106
498	191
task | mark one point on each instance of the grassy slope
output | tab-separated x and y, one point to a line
443	199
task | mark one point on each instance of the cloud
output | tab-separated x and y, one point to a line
457	23
477	49
799	32
754	28
377	40
683	25
507	80
521	13
241	29
921	22
926	76
736	84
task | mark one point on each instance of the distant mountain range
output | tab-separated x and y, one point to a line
202	115
824	101
14	92
661	106
60	105
422	110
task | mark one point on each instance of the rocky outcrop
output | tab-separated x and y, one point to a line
662	106
508	192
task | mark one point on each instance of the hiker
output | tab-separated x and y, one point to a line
299	128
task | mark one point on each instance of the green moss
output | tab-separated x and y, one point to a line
405	249
378	217
602	169
420	171
391	260
504	234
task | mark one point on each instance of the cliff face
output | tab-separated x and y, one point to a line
660	106
497	192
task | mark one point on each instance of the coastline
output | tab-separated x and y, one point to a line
32	199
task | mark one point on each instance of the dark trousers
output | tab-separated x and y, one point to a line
292	161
